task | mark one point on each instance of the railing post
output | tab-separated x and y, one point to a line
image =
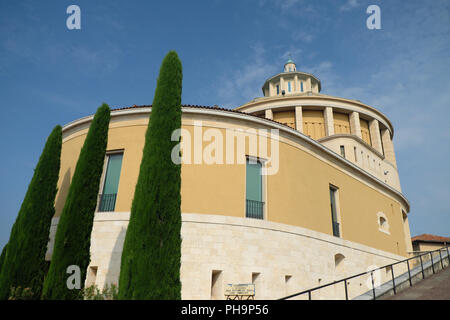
440	256
448	255
393	279
432	264
309	295
409	273
346	292
373	286
421	264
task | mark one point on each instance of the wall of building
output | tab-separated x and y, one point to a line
323	117
427	246
280	259
360	153
297	195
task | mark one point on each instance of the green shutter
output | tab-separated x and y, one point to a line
254	182
113	174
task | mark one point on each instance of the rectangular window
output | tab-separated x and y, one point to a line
256	280
334	212
111	182
278	89
216	285
91	276
289	86
301	86
343	151
254	190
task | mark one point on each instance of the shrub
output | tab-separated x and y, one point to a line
109	292
20	293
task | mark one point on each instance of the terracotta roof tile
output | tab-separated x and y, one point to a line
207	107
430	238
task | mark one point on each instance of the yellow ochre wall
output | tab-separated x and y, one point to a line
285	117
341	123
297	195
365	132
314	124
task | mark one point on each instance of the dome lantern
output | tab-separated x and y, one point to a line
290	66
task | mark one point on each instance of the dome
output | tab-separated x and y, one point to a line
289	61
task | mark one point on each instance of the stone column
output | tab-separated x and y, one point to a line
329	121
296	85
299	119
271	89
269	114
282	85
375	136
388	147
355	125
308	84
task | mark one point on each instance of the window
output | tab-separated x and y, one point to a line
288	285
91	276
289	86
383	224
339	262
108	193
342	151
256	280
254	189
216	285
301	86
334	212
278	89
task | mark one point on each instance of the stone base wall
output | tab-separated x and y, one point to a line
219	250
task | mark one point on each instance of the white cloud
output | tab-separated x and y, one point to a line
349	5
244	83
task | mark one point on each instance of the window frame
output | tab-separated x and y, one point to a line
103	177
342	150
337	209
263	186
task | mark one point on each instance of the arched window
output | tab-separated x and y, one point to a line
339	262
383	224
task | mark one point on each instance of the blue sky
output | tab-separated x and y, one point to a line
51	75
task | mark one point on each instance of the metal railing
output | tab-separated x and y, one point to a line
371	272
107	202
254	209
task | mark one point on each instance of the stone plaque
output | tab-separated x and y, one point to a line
240	290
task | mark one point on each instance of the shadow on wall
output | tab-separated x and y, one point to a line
112	275
62	195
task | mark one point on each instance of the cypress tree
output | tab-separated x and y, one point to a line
2	256
24	262
73	234
150	265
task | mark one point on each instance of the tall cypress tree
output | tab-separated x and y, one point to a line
24	256
150	266
73	234
2	256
